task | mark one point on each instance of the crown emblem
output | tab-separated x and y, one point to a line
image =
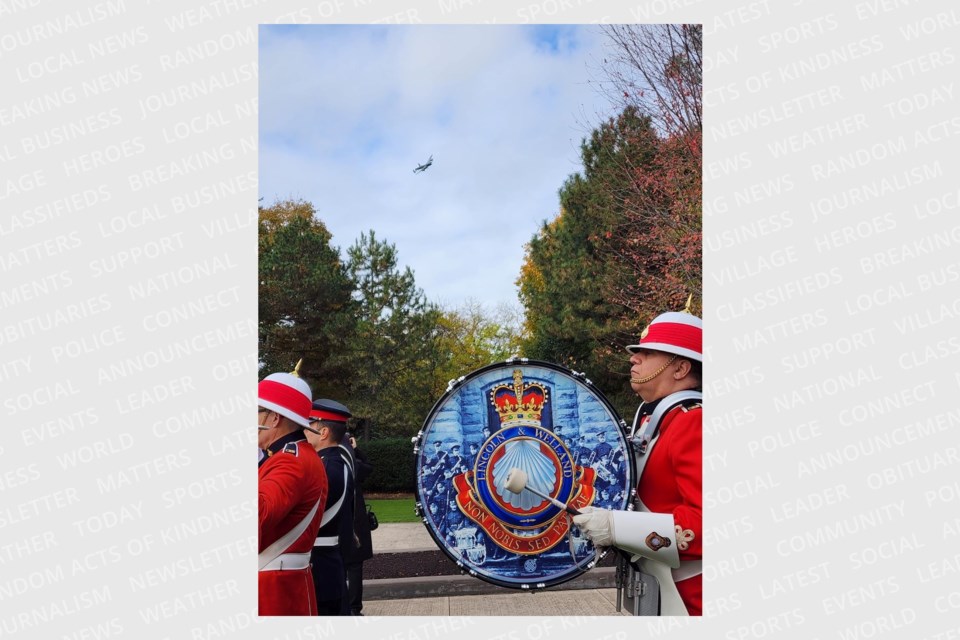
519	404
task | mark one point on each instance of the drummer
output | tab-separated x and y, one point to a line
666	530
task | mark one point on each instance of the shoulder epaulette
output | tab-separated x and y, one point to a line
291	447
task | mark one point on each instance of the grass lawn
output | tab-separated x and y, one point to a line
393	509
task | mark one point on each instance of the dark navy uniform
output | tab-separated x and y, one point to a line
336	530
355	555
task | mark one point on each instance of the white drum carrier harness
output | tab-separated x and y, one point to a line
660	578
274	558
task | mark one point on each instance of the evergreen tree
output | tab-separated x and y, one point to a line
392	352
305	307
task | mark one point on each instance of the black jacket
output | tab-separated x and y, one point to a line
328	561
361	526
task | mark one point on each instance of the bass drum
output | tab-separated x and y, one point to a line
545	420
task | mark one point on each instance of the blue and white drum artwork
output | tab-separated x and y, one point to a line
539	418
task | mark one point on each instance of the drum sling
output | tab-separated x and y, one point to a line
655	581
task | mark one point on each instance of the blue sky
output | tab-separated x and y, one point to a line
347	112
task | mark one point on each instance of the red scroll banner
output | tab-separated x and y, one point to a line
502	536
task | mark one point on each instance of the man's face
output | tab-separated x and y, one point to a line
643	365
267	422
316	440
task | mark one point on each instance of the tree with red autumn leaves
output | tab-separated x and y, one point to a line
627	244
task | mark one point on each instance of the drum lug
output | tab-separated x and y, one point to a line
415	441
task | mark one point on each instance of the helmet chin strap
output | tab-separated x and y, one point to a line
653	375
261	427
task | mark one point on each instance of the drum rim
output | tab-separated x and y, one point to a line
418	443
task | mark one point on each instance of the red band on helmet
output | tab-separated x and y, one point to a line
288	397
320	414
679	335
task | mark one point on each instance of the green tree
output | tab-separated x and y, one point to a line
565	281
392	351
627	244
305	306
470	337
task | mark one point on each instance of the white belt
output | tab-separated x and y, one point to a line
326	541
288	562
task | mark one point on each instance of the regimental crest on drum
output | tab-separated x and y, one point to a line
538	418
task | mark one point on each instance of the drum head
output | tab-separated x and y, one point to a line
537	418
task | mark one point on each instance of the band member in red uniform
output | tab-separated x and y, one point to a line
293	489
666	529
328	420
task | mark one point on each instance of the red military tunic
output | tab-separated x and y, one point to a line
672	483
290	484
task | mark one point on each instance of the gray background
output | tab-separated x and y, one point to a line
128	306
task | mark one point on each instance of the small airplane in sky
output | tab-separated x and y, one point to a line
423	167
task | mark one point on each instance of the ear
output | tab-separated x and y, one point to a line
683	367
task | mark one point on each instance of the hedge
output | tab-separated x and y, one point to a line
393	465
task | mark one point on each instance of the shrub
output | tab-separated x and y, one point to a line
393	465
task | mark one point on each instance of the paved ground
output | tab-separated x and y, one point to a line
413	537
402	536
592	602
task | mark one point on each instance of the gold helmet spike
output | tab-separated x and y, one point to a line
686	309
296	369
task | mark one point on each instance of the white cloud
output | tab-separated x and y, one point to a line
347	112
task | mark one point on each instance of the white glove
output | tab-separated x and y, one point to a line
650	535
596	524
